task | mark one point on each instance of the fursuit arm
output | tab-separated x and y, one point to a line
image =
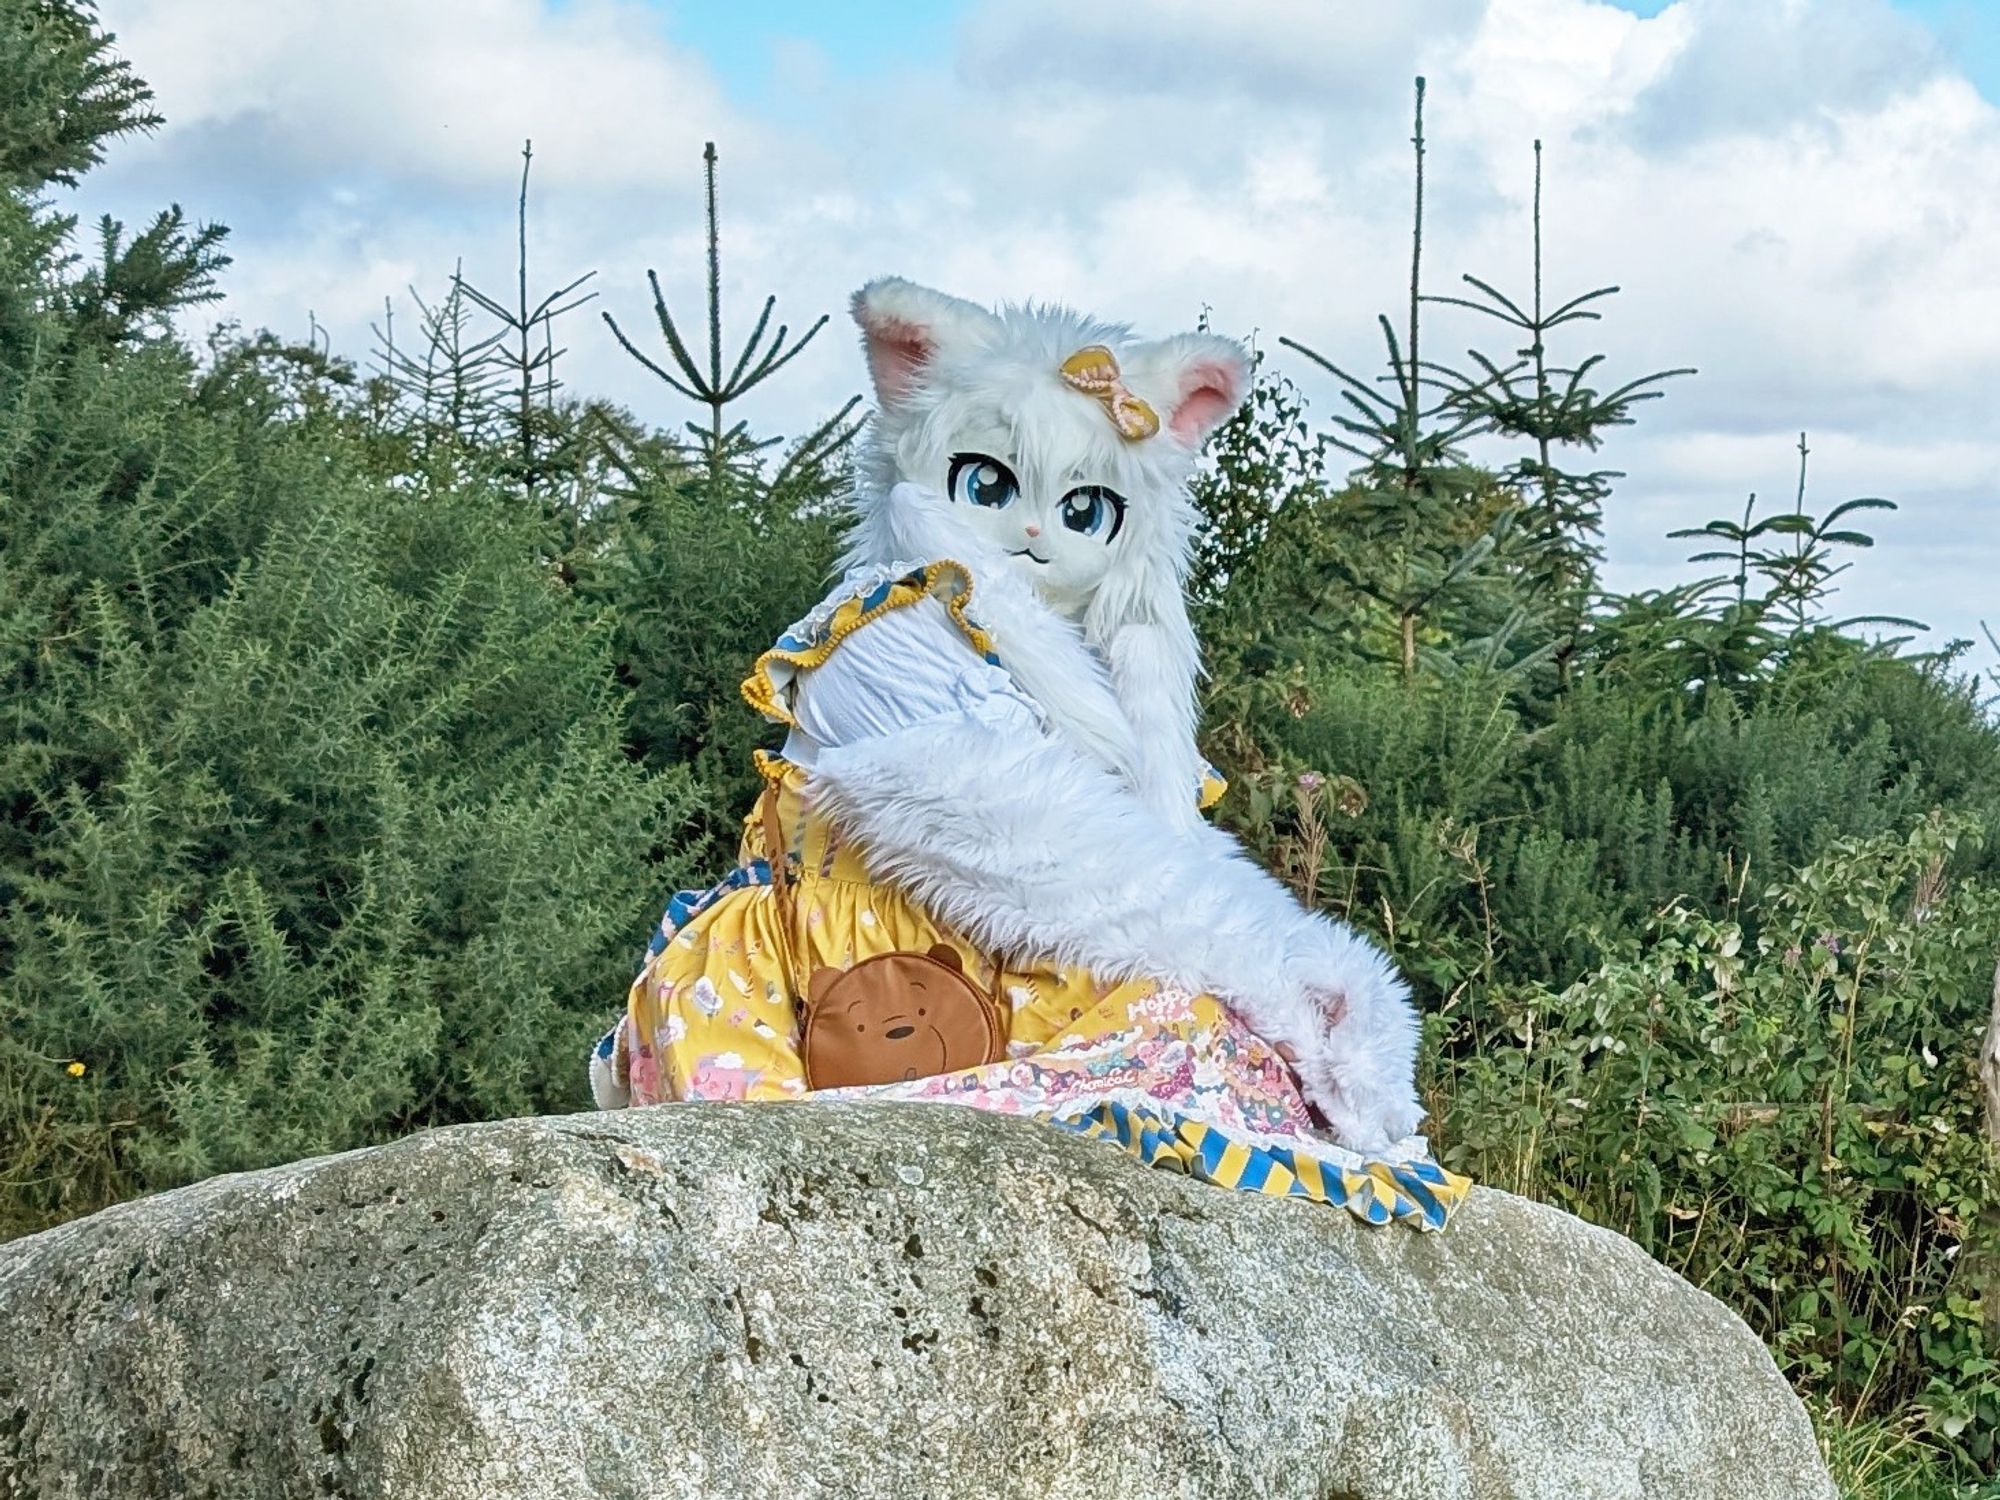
970	796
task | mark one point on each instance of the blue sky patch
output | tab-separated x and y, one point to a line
744	41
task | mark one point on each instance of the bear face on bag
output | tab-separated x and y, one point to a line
897	1016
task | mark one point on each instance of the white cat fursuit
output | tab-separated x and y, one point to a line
1079	843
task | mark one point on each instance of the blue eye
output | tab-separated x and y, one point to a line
977	479
1093	511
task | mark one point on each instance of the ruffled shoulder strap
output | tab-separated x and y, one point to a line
863	595
1213	785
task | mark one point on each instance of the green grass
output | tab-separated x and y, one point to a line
1878	1459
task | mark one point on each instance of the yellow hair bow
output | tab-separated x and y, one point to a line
1094	371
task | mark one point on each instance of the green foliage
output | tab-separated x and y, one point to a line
1792	1122
352	725
1586	810
323	827
66	93
1874	1458
319	824
704	573
1799	577
343	852
138	284
1264	461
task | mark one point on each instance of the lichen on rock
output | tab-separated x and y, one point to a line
847	1299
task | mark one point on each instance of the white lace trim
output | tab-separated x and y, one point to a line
853	585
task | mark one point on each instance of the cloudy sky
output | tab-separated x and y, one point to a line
1800	197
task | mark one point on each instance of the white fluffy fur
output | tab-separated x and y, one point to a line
1082	847
961	378
1044	652
1028	849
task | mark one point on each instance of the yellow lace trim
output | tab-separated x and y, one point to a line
764	688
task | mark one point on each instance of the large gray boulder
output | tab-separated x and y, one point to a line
822	1299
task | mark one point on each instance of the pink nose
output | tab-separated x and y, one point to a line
1034	531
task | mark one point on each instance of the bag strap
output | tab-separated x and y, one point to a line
781	890
775	856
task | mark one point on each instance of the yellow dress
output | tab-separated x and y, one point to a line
1174	1078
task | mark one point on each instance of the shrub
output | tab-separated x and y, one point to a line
1482	845
318	820
346	847
699	579
1791	1122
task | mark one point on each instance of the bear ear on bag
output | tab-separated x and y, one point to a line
947	955
821	985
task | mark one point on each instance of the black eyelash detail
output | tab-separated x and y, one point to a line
960	461
1112	498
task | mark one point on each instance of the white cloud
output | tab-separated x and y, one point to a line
430	94
1799	196
1342	56
1764	66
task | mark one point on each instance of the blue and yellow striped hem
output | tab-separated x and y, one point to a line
1418	1193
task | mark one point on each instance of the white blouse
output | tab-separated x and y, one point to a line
912	666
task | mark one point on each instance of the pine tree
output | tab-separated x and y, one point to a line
719	548
1553	406
67	95
1792	551
1430	518
523	354
726	447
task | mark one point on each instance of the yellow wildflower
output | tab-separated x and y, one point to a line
76	1070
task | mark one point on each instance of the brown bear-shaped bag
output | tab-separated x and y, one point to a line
897	1016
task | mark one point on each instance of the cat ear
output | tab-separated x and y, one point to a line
1196	379
904	327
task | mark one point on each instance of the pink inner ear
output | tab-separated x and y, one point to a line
1209	393
896	352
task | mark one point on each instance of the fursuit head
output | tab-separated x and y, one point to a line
1050	454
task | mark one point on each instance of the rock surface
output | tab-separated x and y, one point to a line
854	1300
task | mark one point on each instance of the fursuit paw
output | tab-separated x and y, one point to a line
1366	1119
610	1077
1357	1068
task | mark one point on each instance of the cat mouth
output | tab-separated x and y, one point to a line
1024	552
